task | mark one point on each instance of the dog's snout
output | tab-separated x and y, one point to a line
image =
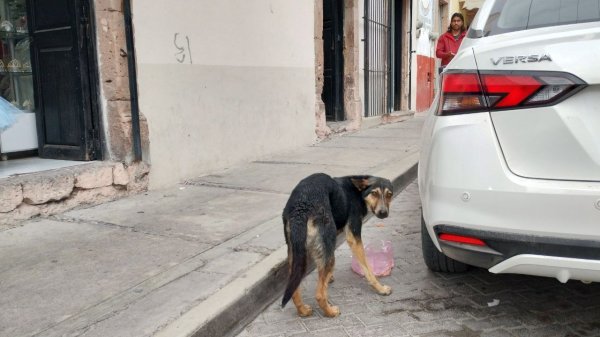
382	214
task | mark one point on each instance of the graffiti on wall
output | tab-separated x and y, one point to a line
184	52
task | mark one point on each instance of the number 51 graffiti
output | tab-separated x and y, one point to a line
183	48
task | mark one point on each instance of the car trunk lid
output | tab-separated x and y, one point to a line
560	141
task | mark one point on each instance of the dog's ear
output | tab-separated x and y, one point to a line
361	182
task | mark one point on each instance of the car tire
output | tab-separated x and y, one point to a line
436	260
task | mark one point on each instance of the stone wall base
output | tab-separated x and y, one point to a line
52	192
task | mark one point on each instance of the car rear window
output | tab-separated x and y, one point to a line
513	15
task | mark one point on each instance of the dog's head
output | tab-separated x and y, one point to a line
377	193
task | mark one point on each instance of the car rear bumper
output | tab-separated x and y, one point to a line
561	258
465	182
563	269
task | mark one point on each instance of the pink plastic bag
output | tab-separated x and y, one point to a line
380	257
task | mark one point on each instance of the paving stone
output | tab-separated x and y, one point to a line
505	298
464	332
586	329
547	331
420	328
492	323
590	301
589	316
400	306
496	333
344	320
376	331
457	315
501	309
275	314
261	328
240	260
335	332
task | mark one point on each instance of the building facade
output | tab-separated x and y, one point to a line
153	93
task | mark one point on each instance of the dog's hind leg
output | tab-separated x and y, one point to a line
304	310
297	256
358	251
325	274
322	236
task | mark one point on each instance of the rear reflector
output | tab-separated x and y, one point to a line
468	92
461	239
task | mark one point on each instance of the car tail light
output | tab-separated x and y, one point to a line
468	92
461	239
462	93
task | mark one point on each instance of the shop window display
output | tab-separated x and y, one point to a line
16	85
16	79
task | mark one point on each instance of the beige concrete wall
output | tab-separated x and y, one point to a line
353	105
222	82
453	7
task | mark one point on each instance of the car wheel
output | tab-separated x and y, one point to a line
436	260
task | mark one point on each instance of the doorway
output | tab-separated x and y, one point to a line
67	122
398	55
333	63
378	56
47	76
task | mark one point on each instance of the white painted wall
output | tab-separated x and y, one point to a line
425	16
243	88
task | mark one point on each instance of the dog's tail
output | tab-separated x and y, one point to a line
297	227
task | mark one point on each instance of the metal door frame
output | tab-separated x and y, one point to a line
378	57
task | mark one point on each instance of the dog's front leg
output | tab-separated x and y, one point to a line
359	252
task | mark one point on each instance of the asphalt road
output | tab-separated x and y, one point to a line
430	304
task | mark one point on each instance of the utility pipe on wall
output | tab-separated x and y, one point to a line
135	112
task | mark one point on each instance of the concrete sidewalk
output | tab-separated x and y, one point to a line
199	259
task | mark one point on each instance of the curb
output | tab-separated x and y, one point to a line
229	310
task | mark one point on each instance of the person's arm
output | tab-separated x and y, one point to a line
441	51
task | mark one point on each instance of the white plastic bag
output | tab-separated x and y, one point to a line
380	257
8	114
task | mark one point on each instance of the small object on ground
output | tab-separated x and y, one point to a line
494	303
380	256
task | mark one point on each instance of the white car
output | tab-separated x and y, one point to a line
509	174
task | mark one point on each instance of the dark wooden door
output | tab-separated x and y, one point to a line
59	48
397	55
333	86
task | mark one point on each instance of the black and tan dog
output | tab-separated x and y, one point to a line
318	209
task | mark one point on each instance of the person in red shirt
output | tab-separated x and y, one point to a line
448	43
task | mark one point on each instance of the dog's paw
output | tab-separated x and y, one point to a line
333	311
384	290
305	311
331	279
